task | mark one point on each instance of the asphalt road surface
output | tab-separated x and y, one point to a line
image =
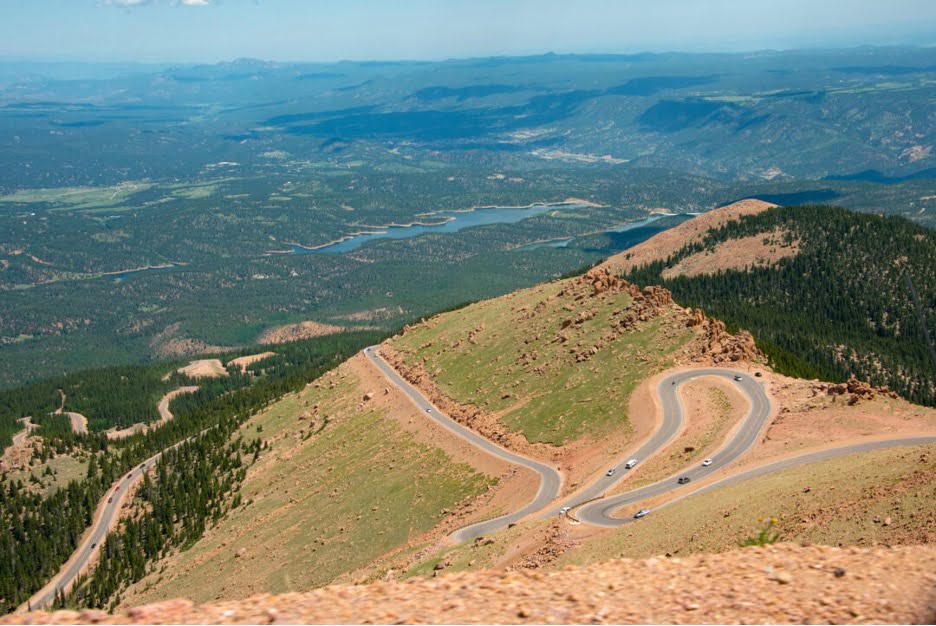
600	512
804	459
92	543
550	478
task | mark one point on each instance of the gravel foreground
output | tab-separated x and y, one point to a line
775	584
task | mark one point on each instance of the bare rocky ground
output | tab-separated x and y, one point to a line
775	584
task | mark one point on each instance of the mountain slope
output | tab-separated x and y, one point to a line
826	292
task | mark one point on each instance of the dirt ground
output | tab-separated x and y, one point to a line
807	418
204	368
293	332
243	361
663	244
775	584
761	250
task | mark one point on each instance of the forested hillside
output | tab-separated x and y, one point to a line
856	299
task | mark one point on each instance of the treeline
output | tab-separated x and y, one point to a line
842	306
43	531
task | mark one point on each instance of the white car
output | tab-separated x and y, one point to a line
610	472
706	462
564	510
630	464
641	513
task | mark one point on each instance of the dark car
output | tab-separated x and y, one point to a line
94	545
109	500
683	480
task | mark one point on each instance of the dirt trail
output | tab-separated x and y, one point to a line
775	584
164	415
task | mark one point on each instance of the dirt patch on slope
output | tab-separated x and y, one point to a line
661	245
761	250
294	332
170	343
243	361
776	584
204	368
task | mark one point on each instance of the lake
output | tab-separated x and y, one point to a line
454	221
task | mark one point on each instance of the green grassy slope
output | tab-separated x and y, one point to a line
548	359
338	488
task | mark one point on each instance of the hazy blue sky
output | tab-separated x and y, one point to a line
328	30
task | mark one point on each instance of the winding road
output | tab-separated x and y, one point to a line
673	418
595	509
550	478
107	512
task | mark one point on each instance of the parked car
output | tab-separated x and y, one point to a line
706	462
641	513
610	472
630	464
758	374
564	510
683	480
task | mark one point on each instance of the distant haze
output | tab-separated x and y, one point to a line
319	30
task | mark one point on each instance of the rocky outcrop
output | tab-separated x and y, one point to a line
857	390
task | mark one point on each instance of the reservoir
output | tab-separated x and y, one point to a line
442	222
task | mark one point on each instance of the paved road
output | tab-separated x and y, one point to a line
109	510
673	417
550	478
777	466
599	513
90	546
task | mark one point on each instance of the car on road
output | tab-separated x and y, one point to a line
94	545
117	488
683	480
428	410
111	499
564	510
641	513
738	377
630	464
130	475
611	472
706	462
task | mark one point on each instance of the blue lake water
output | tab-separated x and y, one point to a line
456	221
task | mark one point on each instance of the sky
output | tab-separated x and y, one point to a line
207	31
